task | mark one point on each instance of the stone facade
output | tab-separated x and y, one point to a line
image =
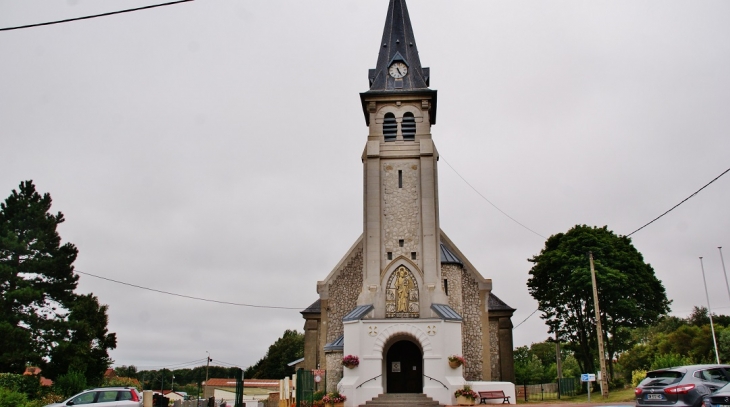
401	226
451	274
494	348
471	328
343	292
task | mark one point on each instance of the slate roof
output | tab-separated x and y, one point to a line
337	344
358	313
495	304
315	308
449	258
398	43
446	312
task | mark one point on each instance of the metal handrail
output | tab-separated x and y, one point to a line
436	380
368	381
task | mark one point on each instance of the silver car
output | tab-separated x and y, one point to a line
105	397
681	386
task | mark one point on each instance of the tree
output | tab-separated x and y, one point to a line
274	365
629	293
42	321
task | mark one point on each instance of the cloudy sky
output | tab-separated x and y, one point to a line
212	148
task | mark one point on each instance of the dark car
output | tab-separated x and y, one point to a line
681	386
719	398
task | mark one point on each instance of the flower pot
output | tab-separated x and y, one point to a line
350	366
454	365
463	401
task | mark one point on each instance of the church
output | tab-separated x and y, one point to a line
404	298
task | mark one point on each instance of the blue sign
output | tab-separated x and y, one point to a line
587	377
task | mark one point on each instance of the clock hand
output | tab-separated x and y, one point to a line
399	72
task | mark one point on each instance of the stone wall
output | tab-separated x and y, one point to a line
494	350
401	208
334	370
452	274
343	292
471	327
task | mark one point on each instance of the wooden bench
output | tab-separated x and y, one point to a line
494	394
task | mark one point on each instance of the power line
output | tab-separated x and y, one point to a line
93	16
485	198
683	201
174	364
528	317
186	296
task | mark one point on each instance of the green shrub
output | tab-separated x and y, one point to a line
637	376
669	360
317	396
617	383
70	383
11	398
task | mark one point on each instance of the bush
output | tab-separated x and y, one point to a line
11	398
617	383
669	360
70	383
637	376
26	384
122	382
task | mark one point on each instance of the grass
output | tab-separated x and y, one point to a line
614	396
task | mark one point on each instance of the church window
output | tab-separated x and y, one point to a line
400	242
408	127
400	178
390	255
390	127
413	255
446	286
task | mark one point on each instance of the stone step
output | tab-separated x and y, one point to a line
402	400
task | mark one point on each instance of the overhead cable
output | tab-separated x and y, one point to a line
485	198
683	201
93	16
187	296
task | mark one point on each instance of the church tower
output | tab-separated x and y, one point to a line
401	222
404	298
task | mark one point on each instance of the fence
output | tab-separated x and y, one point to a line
547	391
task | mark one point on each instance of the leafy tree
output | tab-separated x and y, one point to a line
42	321
629	293
274	365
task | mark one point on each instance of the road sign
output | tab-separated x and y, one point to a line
587	377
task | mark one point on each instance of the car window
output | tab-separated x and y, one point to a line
107	396
125	395
713	375
85	398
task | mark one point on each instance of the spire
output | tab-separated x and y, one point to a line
398	50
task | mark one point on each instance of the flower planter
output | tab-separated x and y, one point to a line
454	365
341	404
350	366
463	401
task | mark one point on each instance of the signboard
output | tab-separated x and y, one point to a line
395	367
588	377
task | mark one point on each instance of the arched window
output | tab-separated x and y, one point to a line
408	127
390	127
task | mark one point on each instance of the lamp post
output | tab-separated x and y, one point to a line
709	312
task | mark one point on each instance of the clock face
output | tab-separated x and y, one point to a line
398	70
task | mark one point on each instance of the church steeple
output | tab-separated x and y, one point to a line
398	45
398	70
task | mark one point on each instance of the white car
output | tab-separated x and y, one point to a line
105	397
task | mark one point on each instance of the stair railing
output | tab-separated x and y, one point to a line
436	380
368	380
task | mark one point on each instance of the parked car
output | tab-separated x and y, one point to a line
681	386
719	398
105	397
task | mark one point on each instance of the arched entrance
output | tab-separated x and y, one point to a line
404	368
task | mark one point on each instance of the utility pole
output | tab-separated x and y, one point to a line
207	365
601	353
558	356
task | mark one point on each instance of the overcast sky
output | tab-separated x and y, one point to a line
212	148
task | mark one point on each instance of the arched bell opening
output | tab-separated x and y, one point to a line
404	366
